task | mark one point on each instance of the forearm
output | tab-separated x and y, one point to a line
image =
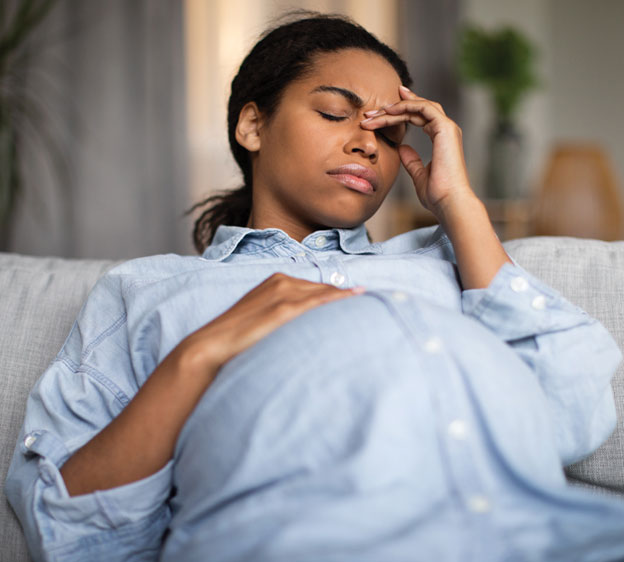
141	440
478	250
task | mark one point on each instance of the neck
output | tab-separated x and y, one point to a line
295	229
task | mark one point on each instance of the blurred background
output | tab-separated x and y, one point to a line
112	113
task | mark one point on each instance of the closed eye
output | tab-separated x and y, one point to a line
386	139
331	117
378	132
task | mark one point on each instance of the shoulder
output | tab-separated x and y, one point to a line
430	240
156	266
104	312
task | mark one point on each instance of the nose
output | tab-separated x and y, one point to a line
363	142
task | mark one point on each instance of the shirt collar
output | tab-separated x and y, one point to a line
230	240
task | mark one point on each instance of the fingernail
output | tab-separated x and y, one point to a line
358	290
405	89
371	113
366	120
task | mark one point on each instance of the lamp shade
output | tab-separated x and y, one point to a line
578	195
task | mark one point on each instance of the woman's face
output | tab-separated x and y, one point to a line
314	166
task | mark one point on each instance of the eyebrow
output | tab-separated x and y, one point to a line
350	96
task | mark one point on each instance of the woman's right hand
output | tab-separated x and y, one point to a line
274	302
142	438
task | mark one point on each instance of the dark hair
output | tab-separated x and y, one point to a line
283	55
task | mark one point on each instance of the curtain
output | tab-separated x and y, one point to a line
109	77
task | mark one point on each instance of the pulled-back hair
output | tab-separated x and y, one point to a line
282	55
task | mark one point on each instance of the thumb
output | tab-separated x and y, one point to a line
411	160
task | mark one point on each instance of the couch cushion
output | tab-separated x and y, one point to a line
40	298
590	273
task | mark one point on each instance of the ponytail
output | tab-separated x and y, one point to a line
231	208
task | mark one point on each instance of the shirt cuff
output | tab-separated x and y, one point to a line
102	509
517	305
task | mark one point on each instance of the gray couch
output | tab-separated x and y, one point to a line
40	297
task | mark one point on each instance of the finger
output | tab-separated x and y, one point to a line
293	306
389	120
406	93
302	286
374	113
411	160
330	294
427	108
300	292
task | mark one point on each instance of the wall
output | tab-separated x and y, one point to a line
587	46
580	45
534	116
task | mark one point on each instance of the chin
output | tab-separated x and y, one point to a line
344	220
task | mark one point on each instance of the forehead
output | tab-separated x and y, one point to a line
367	74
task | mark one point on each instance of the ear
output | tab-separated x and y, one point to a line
248	127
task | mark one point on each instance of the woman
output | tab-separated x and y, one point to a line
298	393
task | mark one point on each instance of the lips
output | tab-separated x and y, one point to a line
356	177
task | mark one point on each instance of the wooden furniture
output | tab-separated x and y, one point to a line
511	218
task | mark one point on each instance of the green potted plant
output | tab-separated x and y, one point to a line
19	108
503	62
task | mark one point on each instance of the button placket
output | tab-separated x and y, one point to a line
332	271
456	435
452	409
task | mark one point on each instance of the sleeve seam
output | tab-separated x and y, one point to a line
109	331
99	377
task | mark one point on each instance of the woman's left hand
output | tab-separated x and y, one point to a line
445	178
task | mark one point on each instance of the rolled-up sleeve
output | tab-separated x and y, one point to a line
572	355
69	405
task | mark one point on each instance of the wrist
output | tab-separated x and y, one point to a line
198	359
460	206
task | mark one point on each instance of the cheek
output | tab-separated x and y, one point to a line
303	143
392	163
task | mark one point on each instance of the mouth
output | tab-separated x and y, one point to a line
356	177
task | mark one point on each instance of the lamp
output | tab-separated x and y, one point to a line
578	195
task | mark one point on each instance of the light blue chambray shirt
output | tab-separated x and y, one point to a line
415	422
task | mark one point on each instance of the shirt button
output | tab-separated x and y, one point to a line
539	302
29	441
399	296
479	504
519	284
320	241
300	254
337	279
433	345
458	429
